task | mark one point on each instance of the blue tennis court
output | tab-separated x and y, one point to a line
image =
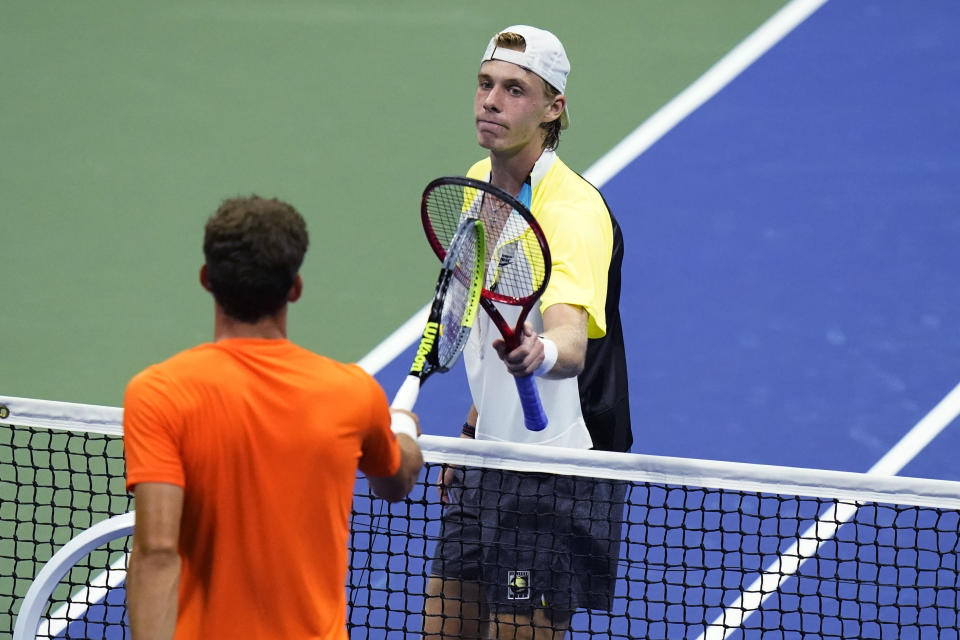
793	246
788	293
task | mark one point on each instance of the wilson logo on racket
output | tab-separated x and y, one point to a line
430	333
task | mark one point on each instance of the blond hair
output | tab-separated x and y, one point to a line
516	42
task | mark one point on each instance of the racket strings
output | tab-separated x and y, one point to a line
516	268
515	263
459	305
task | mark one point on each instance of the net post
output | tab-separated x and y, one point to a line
32	607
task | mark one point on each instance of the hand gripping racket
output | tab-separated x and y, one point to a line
516	265
452	312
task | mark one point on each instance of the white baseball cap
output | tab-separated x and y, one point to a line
543	55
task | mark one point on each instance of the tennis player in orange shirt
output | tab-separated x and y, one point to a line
242	454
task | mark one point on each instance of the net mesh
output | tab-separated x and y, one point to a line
53	485
727	553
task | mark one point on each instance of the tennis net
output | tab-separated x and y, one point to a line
699	549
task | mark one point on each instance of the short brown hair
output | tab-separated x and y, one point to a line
253	248
516	42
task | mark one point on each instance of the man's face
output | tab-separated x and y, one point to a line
509	106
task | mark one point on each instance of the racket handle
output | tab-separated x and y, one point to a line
402	421
533	415
407	394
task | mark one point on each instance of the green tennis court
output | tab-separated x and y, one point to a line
347	111
123	126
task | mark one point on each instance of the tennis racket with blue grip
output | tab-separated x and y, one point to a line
516	265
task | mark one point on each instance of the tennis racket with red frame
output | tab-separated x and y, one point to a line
517	264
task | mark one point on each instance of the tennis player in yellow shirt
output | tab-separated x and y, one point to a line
519	553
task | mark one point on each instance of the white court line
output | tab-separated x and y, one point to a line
631	147
919	436
706	86
642	138
654	128
385	352
823	530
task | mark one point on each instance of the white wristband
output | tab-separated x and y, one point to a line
550	354
402	421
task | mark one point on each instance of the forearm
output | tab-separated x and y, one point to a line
396	487
152	582
411	462
154	574
469	429
571	343
566	327
564	333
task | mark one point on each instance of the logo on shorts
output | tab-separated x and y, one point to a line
518	585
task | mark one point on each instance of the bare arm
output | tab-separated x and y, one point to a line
396	487
566	326
472	416
154	573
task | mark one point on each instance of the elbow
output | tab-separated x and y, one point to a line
158	547
580	355
570	364
160	552
577	366
154	560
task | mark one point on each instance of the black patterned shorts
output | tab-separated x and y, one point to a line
533	539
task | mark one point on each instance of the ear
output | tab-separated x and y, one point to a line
555	108
204	278
296	290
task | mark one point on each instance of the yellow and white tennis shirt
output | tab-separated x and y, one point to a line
579	232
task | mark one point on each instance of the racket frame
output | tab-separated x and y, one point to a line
534	416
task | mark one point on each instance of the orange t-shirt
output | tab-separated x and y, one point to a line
265	438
